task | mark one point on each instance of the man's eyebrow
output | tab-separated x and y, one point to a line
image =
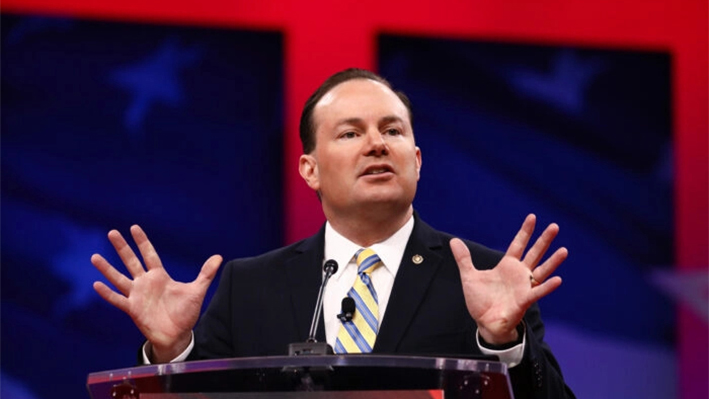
390	119
350	121
358	121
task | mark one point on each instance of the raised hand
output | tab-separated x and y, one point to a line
498	298
164	310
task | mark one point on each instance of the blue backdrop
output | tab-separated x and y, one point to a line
109	124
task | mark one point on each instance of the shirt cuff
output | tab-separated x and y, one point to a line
511	357
180	358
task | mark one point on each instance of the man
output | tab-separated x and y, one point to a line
429	292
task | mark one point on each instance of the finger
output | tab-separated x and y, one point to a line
147	251
115	299
125	252
544	270
544	289
540	247
208	271
519	243
461	253
120	281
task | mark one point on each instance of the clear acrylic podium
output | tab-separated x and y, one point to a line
311	377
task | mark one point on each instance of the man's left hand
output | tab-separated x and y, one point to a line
498	298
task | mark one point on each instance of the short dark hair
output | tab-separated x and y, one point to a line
307	125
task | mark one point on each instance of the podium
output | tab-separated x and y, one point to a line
308	377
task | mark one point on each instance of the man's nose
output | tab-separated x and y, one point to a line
376	143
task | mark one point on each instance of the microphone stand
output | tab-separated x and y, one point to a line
311	346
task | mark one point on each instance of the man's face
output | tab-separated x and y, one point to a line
365	154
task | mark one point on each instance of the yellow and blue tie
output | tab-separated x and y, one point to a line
359	334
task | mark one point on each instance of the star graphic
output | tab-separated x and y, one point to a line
687	287
71	265
563	86
154	80
15	388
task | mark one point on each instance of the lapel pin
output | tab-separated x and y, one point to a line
417	259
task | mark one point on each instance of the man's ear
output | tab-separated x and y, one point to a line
308	168
418	163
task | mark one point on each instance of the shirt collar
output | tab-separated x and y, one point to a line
390	251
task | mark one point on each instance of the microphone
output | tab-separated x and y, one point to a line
311	346
348	309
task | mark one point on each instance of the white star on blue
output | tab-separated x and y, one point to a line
70	265
564	86
154	80
687	287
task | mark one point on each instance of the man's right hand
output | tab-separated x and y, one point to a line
163	309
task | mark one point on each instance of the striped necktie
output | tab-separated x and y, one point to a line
359	334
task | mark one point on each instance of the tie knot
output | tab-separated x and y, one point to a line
367	260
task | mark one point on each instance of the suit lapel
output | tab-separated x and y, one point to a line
410	285
303	276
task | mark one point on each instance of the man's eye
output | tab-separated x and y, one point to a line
348	135
393	132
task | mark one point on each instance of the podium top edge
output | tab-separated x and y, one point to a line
367	360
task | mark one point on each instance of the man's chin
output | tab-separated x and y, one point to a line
384	199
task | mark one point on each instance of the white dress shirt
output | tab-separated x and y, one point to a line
342	250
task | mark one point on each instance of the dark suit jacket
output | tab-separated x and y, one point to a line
264	303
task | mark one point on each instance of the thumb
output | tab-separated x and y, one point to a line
462	256
209	270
